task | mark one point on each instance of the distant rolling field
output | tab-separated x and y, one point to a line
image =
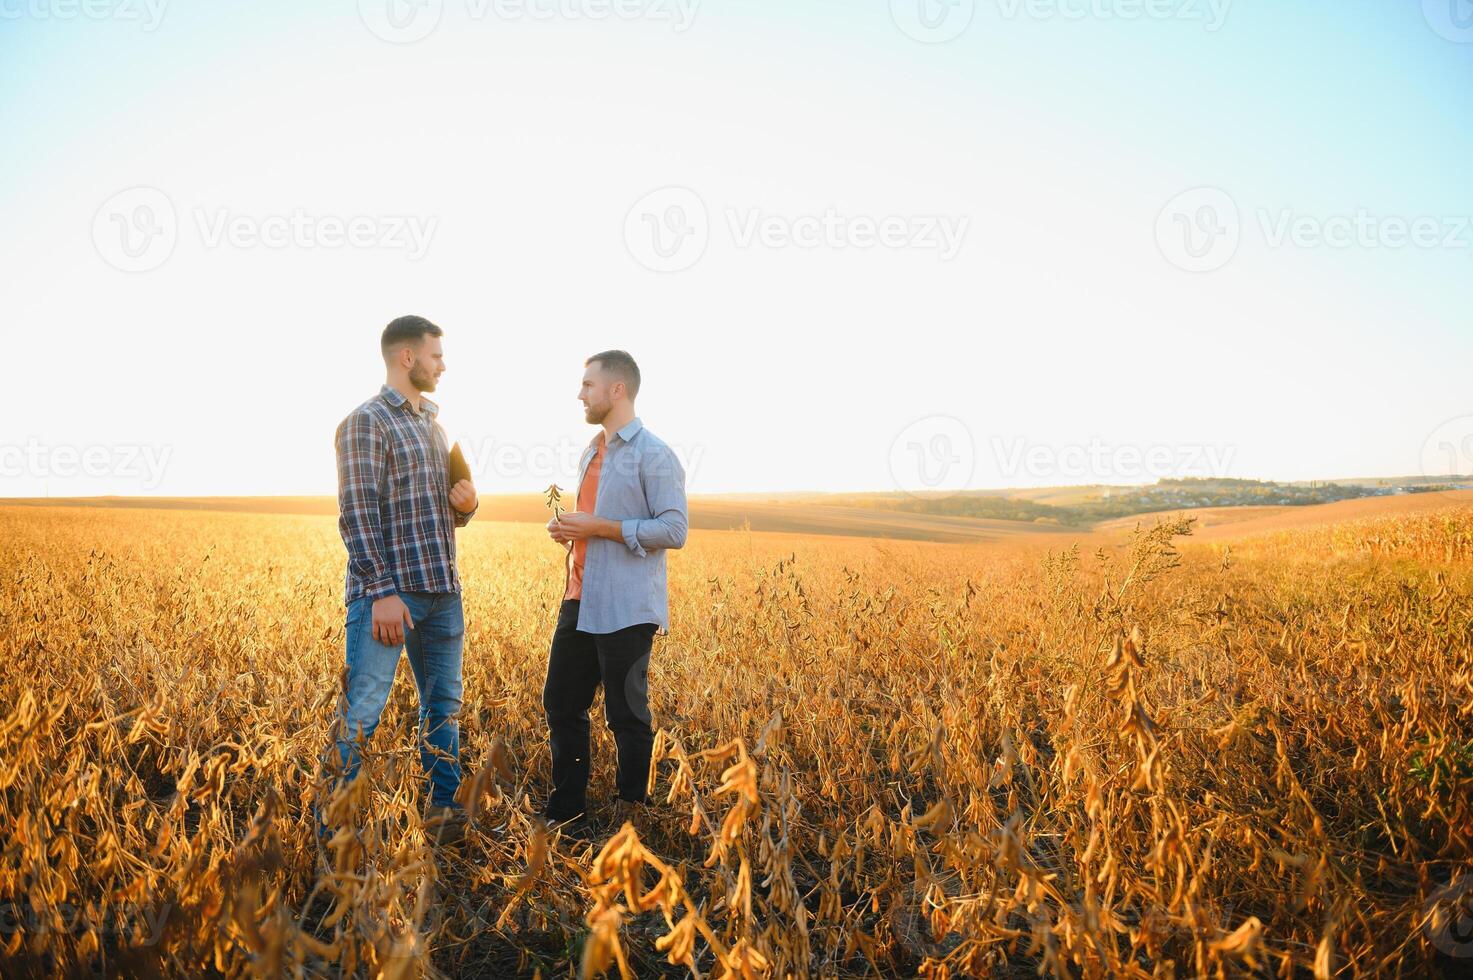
710	514
807	515
1220	523
861	522
1206	516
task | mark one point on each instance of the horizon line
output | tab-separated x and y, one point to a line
1401	479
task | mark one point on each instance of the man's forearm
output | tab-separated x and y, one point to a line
372	571
361	456
361	537
612	530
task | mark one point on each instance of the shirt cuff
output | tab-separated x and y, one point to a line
631	538
382	589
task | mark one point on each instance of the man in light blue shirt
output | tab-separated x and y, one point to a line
631	510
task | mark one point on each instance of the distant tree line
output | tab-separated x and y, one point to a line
1118	502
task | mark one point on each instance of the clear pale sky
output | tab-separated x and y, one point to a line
523	137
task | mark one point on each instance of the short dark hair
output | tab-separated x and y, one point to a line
407	330
619	362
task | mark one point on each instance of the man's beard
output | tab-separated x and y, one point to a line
421	377
595	414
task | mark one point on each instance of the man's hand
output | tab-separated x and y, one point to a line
555	531
390	616
463	496
577	526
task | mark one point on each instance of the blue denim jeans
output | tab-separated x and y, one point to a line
434	652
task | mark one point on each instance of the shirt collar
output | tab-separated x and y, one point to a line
396	398
630	430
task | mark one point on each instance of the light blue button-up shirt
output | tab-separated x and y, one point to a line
641	485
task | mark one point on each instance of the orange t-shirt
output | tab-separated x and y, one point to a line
587	499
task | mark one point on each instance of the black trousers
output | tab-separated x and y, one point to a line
577	664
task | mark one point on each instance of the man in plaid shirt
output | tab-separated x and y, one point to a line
398	521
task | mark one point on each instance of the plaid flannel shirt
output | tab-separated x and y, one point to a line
394	506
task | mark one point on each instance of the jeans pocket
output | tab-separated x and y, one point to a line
455	614
360	612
